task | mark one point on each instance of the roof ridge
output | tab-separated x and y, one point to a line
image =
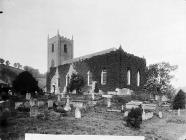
90	55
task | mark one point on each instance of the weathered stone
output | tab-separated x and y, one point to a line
17	104
50	104
77	113
34	111
160	114
67	107
28	96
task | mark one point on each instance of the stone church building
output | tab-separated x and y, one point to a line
112	68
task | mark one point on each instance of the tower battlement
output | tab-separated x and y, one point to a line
60	49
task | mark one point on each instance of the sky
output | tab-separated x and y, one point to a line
154	29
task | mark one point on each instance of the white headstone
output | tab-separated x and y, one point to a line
67	107
77	113
179	112
160	114
93	96
58	97
108	102
50	103
126	113
122	107
143	115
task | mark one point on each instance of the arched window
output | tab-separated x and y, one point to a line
52	47
65	48
138	78
128	76
89	78
52	63
67	79
103	77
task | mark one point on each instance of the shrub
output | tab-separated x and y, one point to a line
76	83
134	118
179	100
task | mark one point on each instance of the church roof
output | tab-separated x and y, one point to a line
89	56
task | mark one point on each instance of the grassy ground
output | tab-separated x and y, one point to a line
97	121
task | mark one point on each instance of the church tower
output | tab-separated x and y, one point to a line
60	49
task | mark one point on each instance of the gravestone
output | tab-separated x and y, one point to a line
108	102
50	104
27	104
67	107
17	104
34	111
40	103
126	113
28	96
77	113
179	112
93	95
59	97
160	114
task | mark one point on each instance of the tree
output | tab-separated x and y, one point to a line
15	65
34	72
76	83
19	65
179	100
7	62
25	82
2	60
159	78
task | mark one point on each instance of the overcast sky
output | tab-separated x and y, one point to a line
154	29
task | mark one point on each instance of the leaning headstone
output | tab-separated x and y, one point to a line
126	113
34	111
77	113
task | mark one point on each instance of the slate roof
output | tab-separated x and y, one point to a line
89	56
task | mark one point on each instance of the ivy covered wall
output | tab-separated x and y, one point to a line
116	63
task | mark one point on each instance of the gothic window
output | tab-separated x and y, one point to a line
89	74
67	80
52	47
103	77
65	48
52	63
128	76
138	78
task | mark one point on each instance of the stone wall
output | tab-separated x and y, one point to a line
115	63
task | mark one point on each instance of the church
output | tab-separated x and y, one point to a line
112	68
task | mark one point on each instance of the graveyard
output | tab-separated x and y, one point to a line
91	114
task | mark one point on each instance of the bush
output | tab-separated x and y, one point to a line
179	100
134	118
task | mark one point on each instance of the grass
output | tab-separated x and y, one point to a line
97	121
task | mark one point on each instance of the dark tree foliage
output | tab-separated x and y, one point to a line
76	83
25	82
134	118
179	100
